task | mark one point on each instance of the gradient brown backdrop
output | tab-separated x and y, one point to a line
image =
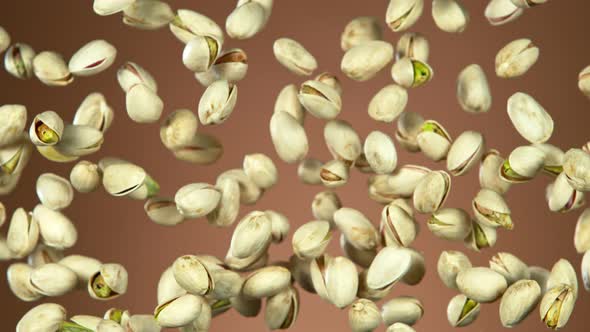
117	230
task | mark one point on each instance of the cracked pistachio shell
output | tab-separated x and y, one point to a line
46	317
403	309
561	197
342	141
359	230
85	176
311	239
335	279
417	268
529	118
23	233
249	191
143	104
123	179
168	289
300	272
47	128
245	306
491	209
188	24
266	4
120	316
402	183
192	275
389	266
179	311
473	90
412	45
53	154
246	20
308	171
582	232
200	53
320	99
397	227
109	326
585	271
584	81
363	316
4	39
148	14
450	263
500	12
202	323
13	119
380	152
78	141
179	129
365	60
266	282
518	301
334	173
553	164
360	30
330	80
84	267
434	141
93	58
18	276
51	69
481	284
279	224
489	177
231	65
14	157
522	164
576	165
481	236
465	152
131	74
53	279
196	200
511	267
411	73
227	210
94	112
563	273
360	257
402	14
261	170
450	224
288	137
516	58
18	60
450	15
432	191
364	291
409	125
462	311
293	56
110	7
388	103
203	149
109	282
163	211
557	306
217	102
251	236
141	323
325	204
55	228
540	275
288	101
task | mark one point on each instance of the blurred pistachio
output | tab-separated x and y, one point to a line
23	233
402	309
228	208
412	45
143	104
47	128
94	112
43	317
51	69
364	61
360	30
462	311
481	284
148	14
84	267
363	315
288	101
92	58
320	99
473	91
561	197
109	282
489	177
450	15
450	263
510	266
359	231
325	204
18	60
188	24
409	125
432	191
246	20
14	120
450	224
293	56
308	171
163	211
388	103
518	301
261	170
342	140
203	149
18	278
500	12
85	176
402	14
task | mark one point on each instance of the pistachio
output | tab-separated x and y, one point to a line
78	141
8	182
14	157
267	281
131	74
450	15
51	69
335	279
363	315
360	30
300	272
85	177
54	191
163	211
320	99
94	112
179	311
261	170
123	179
522	164
249	191
325	204
516	58
44	317
584	81
23	233
402	14
279	225
408	128
18	60
553	164
360	257
397	228
246	20
47	129
245	306
491	209
481	284
288	137
93	58
4	39
380	152
53	279
585	268
563	273
288	101
389	266
364	61
403	309
148	15
311	239
400	327
139	323
465	152
179	129
143	104
359	231
462	311
109	282
228	208
109	326
432	191
529	118
450	263
412	45
293	56
510	266
330	80
342	141
217	102
110	7
388	103
192	275
411	73
168	289
2	214
308	171
518	301
202	149
481	236
561	197
14	120
18	276
489	177
282	309
196	200
334	173
500	12
582	232
434	141
120	316
576	165
200	53
84	267
450	224
557	306
251	236
189	24
473	91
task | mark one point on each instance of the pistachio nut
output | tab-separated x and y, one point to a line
44	317
462	311
311	239
251	236
388	103
364	61
582	232
261	170
14	157
397	227
529	118
481	236
491	209
94	112
540	275
110	7
450	15
450	224
131	74
143	104
586	147
516	58
51	69
54	191
489	177
2	214
320	99
288	101
518	301
249	191
481	284
93	58
47	129
148	15
23	233
576	165
200	53
380	152
123	179
412	45
334	173
522	164
561	197
230	65
245	306
510	266
288	137
411	73
293	56
14	120
246	20
408	128
53	279
163	211
359	231
85	176
18	60
585	270
4	39
432	191
325	204
217	102
282	309
400	327
342	141
228	208
84	267
364	291
18	278
584	81
449	264
563	273
500	12
196	200
308	171
300	272
202	149
402	14
266	282
141	323
403	309
179	129
192	275
360	30
557	306
78	141
417	269
330	80
553	164
434	140
109	326
188	24
179	311
109	282
360	257
279	225
363	316
168	289
389	266
335	279
266	4
465	152
473	90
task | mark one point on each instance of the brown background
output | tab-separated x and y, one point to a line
116	230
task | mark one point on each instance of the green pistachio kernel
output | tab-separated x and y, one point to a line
422	73
46	134
100	287
72	327
468	307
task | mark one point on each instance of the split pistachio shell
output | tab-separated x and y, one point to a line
47	129
249	191
473	90
53	279
266	282
510	266
293	56
93	58
450	15
325	204
540	275
168	289
364	291
245	306
94	112
120	316
142	323
462	311
18	60
363	315
200	53
79	141
389	266
359	231
491	209
516	58
148	15
409	125
308	171
279	224
360	257
500	12
288	101
131	74
51	69
380	152
584	81
434	141
465	152
342	141
450	224
403	309
582	232
261	170
192	275
282	309
365	60
563	273
561	197
576	165
251	236
203	149
518	301
228	208
217	102
489	177
320	99
196	200
529	118
388	103
397	228
300	272
23	233
412	45
179	311
14	157
553	164
84	267
18	276
46	317
231	65
4	39
109	282
402	183
481	284
481	236
85	177
311	239
432	191
288	137
417	269
110	7
188	24
246	20
330	80
402	14
585	271
179	129
411	73
12	124
557	306
143	104
450	263
163	211
522	164
122	179
335	279
360	30
54	191
109	326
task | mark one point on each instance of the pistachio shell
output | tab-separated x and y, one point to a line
196	200
563	273
293	56
585	268
2	214
23	233
462	311
192	275
246	20
311	239
510	266
450	15
584	81
279	225
53	154
288	101
500	12
359	231
402	14
450	224
149	15
363	315
561	197
93	58
400	327
109	326
288	137
94	112
249	191
53	279
320	99
14	157
12	124
54	191
51	69
557	306
4	39
465	152
123	179
179	311
331	80
529	118
300	272
168	289
179	129
109	282
144	323
473	91
408	127
365	60
143	104
388	103
397	228
582	232
553	164
342	141
389	266
335	279
84	267
245	306
380	152
360	257
481	284
489	177
231	65
450	263
481	236
203	149
131	74
110	7
360	30
434	140
251	236
163	211
78	141
522	164
18	277
85	177
188	24
261	170
401	184
47	128
516	58
282	309
266	282
411	73
412	45
308	171
44	317
334	173
576	165
540	275
432	191
229	204
403	309
518	302
18	60
325	204
491	209
200	53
